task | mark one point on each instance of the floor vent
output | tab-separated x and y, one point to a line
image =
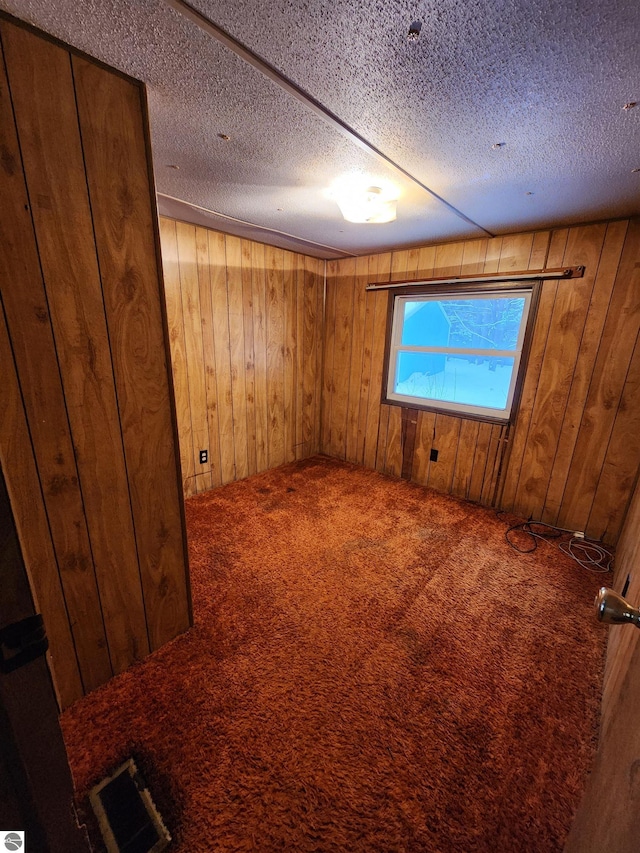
128	819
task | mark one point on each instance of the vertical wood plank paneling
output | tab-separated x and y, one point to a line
449	258
86	385
311	331
236	345
539	250
21	474
366	389
246	331
396	261
480	456
606	386
320	283
299	355
220	319
194	352
520	431
342	359
358	328
445	441
493	254
425	433
558	366
45	107
494	455
289	348
473	257
249	355
620	467
259	291
592	333
381	445
173	298
404	264
393	455
34	349
464	458
379	270
208	356
515	252
117	153
622	643
274	259
426	261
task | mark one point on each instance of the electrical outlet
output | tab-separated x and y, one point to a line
433	456
204	455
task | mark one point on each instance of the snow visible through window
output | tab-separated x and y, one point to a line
463	350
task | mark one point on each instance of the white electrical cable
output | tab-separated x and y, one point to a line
587	553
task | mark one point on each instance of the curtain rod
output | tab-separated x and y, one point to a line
524	275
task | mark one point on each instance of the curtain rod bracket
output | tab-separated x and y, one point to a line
523	275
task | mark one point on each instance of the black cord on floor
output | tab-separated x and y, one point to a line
588	553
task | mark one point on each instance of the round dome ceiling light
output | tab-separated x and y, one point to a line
362	203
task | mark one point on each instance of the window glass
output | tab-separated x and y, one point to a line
458	352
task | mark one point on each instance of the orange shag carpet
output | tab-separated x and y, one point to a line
372	668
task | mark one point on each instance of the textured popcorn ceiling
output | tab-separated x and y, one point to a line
547	79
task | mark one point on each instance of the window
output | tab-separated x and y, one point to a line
458	352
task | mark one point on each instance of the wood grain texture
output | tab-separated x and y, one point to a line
173	296
34	349
589	343
607	383
274	259
607	818
246	344
117	155
220	326
86	332
196	389
259	294
235	317
25	492
249	355
557	371
571	456
212	477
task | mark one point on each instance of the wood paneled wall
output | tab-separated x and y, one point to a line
245	324
608	817
87	435
572	457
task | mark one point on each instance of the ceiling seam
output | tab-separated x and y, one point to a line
270	71
302	241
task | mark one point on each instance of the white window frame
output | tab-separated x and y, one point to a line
395	347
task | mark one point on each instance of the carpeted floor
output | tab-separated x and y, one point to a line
372	669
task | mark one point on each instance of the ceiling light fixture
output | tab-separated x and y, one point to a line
370	204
